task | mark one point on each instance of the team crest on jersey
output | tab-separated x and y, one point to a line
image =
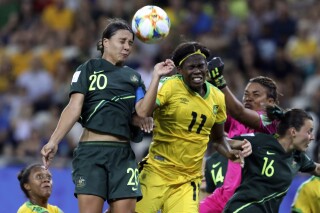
215	109
134	79
294	164
80	182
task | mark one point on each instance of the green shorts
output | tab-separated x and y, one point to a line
106	169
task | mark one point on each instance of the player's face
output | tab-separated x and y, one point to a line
40	183
118	47
194	70
255	97
304	136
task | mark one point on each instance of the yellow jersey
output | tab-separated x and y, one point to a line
307	199
29	207
183	122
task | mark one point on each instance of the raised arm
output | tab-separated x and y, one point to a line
146	106
236	109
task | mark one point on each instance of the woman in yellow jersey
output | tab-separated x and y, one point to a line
307	198
36	183
188	110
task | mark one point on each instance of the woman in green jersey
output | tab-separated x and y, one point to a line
275	160
104	96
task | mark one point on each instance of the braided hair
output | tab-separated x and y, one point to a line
269	84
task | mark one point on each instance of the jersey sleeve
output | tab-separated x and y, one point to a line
222	110
79	82
164	91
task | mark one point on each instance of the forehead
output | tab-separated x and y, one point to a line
255	87
123	34
41	169
194	60
308	124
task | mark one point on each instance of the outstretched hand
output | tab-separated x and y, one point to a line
48	152
215	69
164	68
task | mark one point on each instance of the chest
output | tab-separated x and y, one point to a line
111	85
190	110
273	165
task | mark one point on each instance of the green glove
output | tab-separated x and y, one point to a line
215	68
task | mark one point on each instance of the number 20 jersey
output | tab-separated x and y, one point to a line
183	122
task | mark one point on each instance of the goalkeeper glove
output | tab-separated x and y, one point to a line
215	68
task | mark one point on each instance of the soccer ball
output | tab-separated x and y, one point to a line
151	24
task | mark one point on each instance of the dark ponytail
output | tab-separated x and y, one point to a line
275	112
287	119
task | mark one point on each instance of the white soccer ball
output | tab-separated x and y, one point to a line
151	24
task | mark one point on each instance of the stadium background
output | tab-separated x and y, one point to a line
43	41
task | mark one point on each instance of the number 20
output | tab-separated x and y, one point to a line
96	80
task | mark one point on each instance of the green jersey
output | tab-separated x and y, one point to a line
110	96
267	175
215	171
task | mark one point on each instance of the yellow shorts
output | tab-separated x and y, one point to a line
159	194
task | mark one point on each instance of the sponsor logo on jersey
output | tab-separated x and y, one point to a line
96	72
184	100
270	153
216	165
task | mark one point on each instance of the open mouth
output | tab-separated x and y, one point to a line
248	106
197	80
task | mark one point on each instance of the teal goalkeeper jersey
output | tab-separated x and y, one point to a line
267	175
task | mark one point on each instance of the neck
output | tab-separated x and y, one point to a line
286	143
43	202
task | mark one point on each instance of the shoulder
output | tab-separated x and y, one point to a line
261	138
215	92
170	80
130	70
89	64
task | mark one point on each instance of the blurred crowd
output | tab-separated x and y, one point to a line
43	41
